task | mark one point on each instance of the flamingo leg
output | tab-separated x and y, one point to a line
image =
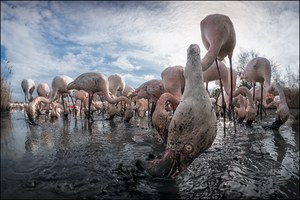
63	103
261	100
231	107
254	93
72	101
149	116
223	99
206	83
90	102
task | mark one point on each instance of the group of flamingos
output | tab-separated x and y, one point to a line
181	110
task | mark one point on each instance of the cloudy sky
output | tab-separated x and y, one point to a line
134	39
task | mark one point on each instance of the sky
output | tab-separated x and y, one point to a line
136	40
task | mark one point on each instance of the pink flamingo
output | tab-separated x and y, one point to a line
28	87
173	80
128	90
141	106
150	90
32	107
218	37
258	70
82	96
43	90
93	82
250	109
241	110
116	84
116	87
59	89
189	133
283	111
160	117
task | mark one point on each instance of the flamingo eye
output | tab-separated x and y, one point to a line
189	148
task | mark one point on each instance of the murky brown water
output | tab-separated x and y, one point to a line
73	159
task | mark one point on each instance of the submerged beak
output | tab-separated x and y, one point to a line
166	166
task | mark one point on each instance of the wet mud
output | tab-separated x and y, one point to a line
73	159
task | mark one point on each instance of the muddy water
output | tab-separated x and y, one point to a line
74	159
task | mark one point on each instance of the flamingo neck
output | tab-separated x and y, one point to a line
193	73
117	99
210	56
245	92
164	98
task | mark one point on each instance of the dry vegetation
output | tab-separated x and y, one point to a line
5	88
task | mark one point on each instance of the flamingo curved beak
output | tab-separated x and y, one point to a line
166	166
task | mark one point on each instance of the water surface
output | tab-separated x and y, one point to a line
71	158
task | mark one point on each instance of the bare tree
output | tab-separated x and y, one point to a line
290	78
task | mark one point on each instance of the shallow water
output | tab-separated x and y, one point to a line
74	159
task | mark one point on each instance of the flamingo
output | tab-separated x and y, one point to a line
173	80
28	87
128	90
250	109
116	84
59	89
258	70
93	82
82	96
218	37
193	127
150	90
43	90
31	107
282	111
241	110
160	117
141	106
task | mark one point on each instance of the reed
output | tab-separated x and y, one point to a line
5	87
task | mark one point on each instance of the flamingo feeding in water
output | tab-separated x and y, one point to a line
218	37
28	87
93	82
59	89
250	109
258	70
190	133
31	108
116	84
82	96
241	110
150	90
59	84
283	111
